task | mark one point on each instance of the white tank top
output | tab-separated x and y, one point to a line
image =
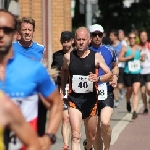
145	64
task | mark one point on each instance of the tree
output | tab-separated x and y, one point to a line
115	16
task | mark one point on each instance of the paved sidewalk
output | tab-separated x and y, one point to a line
136	135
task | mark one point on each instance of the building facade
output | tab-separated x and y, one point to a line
52	17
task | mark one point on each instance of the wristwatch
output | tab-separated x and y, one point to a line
116	75
52	137
98	78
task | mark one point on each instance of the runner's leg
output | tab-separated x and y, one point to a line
65	128
98	143
136	87
75	117
106	114
90	130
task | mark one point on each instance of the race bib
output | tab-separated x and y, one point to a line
134	65
102	91
66	91
81	84
14	142
146	57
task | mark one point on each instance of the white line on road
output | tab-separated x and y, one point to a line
119	127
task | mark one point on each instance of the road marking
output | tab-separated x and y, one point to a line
119	127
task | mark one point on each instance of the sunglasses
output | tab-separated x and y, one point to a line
97	34
132	37
7	30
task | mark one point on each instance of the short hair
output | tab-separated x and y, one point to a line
12	15
115	32
143	31
131	33
27	20
82	28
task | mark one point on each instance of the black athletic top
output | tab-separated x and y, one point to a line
58	62
81	66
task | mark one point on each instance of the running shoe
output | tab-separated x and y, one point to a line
65	147
129	107
116	104
84	144
145	111
122	97
134	116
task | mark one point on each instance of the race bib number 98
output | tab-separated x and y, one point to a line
81	84
102	91
134	65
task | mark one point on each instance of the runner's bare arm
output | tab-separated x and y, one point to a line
55	118
44	101
17	123
115	69
115	72
100	62
121	57
65	71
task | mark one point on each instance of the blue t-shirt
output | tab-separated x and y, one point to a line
117	48
24	79
109	55
35	51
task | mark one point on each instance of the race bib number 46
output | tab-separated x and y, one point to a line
81	84
134	65
102	91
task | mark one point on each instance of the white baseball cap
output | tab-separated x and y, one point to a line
96	27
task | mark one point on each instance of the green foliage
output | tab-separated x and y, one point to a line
115	16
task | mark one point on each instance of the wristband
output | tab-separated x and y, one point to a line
99	79
116	75
52	137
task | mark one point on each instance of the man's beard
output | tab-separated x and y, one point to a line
4	52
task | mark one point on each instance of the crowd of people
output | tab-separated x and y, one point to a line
89	76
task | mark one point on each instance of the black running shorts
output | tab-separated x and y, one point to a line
145	78
121	75
109	101
129	79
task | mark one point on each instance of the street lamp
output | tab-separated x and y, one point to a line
89	11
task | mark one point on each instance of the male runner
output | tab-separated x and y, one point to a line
66	40
145	64
25	45
11	116
117	46
23	78
106	99
81	64
29	48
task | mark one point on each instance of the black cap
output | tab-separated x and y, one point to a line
66	35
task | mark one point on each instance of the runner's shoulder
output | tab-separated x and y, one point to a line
27	62
59	52
38	46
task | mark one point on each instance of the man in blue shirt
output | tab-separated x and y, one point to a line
117	46
105	90
33	50
22	79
